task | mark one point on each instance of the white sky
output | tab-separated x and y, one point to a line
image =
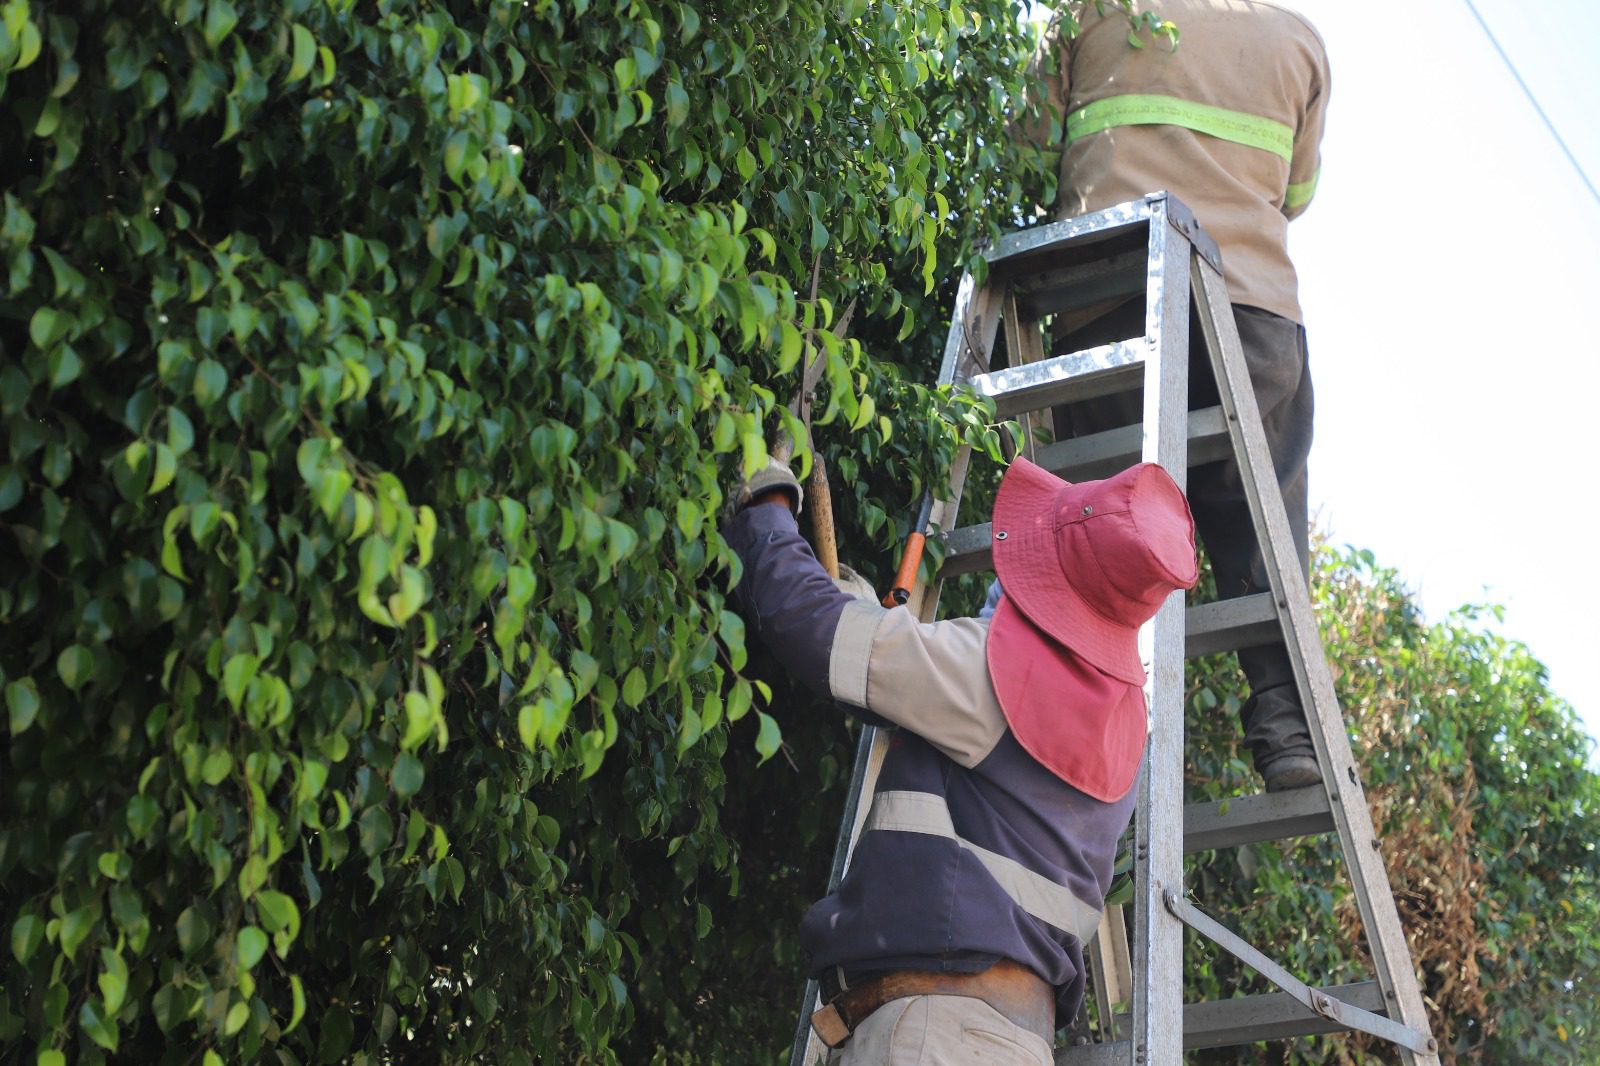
1449	273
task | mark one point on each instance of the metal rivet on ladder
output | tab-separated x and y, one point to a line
1001	535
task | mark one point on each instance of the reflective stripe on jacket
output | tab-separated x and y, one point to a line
972	851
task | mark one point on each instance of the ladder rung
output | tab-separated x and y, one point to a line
1116	1053
1219	1023
1228	625
1273	1016
1247	819
967	549
1098	455
1064	378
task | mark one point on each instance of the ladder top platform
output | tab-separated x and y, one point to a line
1013	249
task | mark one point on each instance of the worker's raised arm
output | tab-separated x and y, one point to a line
929	678
1305	166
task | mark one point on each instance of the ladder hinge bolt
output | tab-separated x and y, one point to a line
1375	845
1391	994
1433	1045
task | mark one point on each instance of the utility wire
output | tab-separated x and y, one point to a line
1551	126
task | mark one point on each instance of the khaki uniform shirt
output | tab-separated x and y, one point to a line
1256	70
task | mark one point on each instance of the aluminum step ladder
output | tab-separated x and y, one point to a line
1154	247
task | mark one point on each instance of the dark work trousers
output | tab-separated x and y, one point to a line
1275	351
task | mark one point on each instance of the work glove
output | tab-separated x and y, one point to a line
775	475
853	584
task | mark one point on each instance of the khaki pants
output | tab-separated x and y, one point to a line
940	1031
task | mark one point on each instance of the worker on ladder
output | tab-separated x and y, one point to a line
1230	122
957	933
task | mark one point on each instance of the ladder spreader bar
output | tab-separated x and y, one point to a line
1347	1015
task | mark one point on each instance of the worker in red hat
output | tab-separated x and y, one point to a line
1229	119
957	934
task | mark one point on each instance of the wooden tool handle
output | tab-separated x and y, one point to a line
819	498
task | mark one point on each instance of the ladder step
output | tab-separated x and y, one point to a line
1273	1016
1228	625
1081	375
1099	455
1247	819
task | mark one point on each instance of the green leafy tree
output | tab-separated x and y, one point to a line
371	376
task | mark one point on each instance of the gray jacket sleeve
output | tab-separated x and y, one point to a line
787	599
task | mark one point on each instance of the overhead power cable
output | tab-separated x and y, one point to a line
1551	126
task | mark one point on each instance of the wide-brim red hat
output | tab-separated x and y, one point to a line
1080	723
1081	568
1089	563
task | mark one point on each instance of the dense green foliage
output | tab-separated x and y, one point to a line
372	375
1482	789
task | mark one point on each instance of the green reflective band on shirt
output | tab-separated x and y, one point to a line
1300	193
1219	122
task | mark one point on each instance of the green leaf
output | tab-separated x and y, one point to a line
217	766
75	666
210	382
407	776
50	1057
305	53
220	21
94	1019
75	927
26	934
113	981
236	677
633	687
166	469
47	326
298	998
249	946
769	738
64	366
194	930
114	865
22	701
143	813
739	700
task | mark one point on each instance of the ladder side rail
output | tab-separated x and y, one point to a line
1369	880
1157	1008
968	347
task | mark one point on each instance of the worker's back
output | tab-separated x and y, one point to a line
1229	122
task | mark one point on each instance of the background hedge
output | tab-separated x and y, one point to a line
371	375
